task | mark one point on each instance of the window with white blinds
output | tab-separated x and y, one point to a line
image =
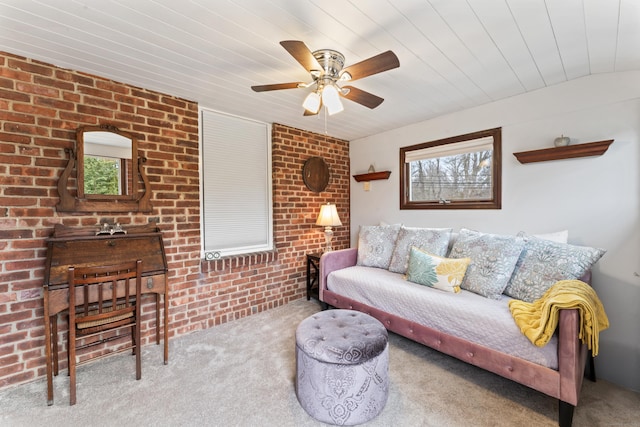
235	185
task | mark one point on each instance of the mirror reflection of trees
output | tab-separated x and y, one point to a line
101	176
460	177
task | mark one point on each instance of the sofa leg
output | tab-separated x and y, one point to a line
592	367
324	306
565	414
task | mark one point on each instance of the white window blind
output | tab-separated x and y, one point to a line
235	185
452	149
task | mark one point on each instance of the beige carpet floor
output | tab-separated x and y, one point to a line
242	374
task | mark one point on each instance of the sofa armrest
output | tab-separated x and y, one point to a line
572	356
572	353
335	260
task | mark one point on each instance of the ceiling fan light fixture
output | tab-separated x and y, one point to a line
345	76
312	102
327	70
331	99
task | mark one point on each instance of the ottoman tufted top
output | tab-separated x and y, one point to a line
346	337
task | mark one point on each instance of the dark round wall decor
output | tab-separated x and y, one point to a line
315	174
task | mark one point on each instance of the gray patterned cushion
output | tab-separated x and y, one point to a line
432	240
543	262
493	258
375	245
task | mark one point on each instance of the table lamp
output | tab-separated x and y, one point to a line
328	218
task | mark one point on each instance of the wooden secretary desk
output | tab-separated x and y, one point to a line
82	247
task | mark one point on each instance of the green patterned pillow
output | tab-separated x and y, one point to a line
436	272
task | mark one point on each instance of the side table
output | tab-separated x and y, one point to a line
313	275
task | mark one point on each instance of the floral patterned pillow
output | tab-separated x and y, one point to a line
432	240
437	272
493	258
543	263
375	245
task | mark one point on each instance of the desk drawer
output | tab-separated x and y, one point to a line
153	284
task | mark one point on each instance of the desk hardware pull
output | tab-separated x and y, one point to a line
111	243
149	283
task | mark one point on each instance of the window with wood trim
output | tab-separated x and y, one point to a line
460	172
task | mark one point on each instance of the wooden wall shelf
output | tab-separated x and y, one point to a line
372	176
569	152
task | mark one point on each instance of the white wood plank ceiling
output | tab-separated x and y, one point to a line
454	54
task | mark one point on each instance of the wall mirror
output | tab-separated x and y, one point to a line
105	166
461	172
108	173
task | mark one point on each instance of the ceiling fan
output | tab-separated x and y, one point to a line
326	69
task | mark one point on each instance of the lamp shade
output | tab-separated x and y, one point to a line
328	216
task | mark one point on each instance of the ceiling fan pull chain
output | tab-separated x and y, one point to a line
325	121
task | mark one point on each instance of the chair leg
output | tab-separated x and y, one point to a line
47	338
134	339
138	350
71	351
54	329
158	320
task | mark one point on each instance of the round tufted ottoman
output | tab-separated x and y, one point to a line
342	363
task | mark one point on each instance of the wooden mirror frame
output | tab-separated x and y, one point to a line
137	201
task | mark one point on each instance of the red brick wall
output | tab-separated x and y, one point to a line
40	108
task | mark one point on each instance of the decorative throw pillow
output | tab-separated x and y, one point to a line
375	245
493	258
543	263
432	240
436	272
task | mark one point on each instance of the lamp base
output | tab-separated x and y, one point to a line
328	235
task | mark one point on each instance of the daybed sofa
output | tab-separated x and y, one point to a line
471	324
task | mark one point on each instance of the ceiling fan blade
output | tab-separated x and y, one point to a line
361	97
302	54
277	86
376	64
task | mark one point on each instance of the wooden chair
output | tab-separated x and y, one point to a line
103	299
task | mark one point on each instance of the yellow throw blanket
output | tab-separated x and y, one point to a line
538	320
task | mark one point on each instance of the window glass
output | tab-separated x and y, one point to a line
459	172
